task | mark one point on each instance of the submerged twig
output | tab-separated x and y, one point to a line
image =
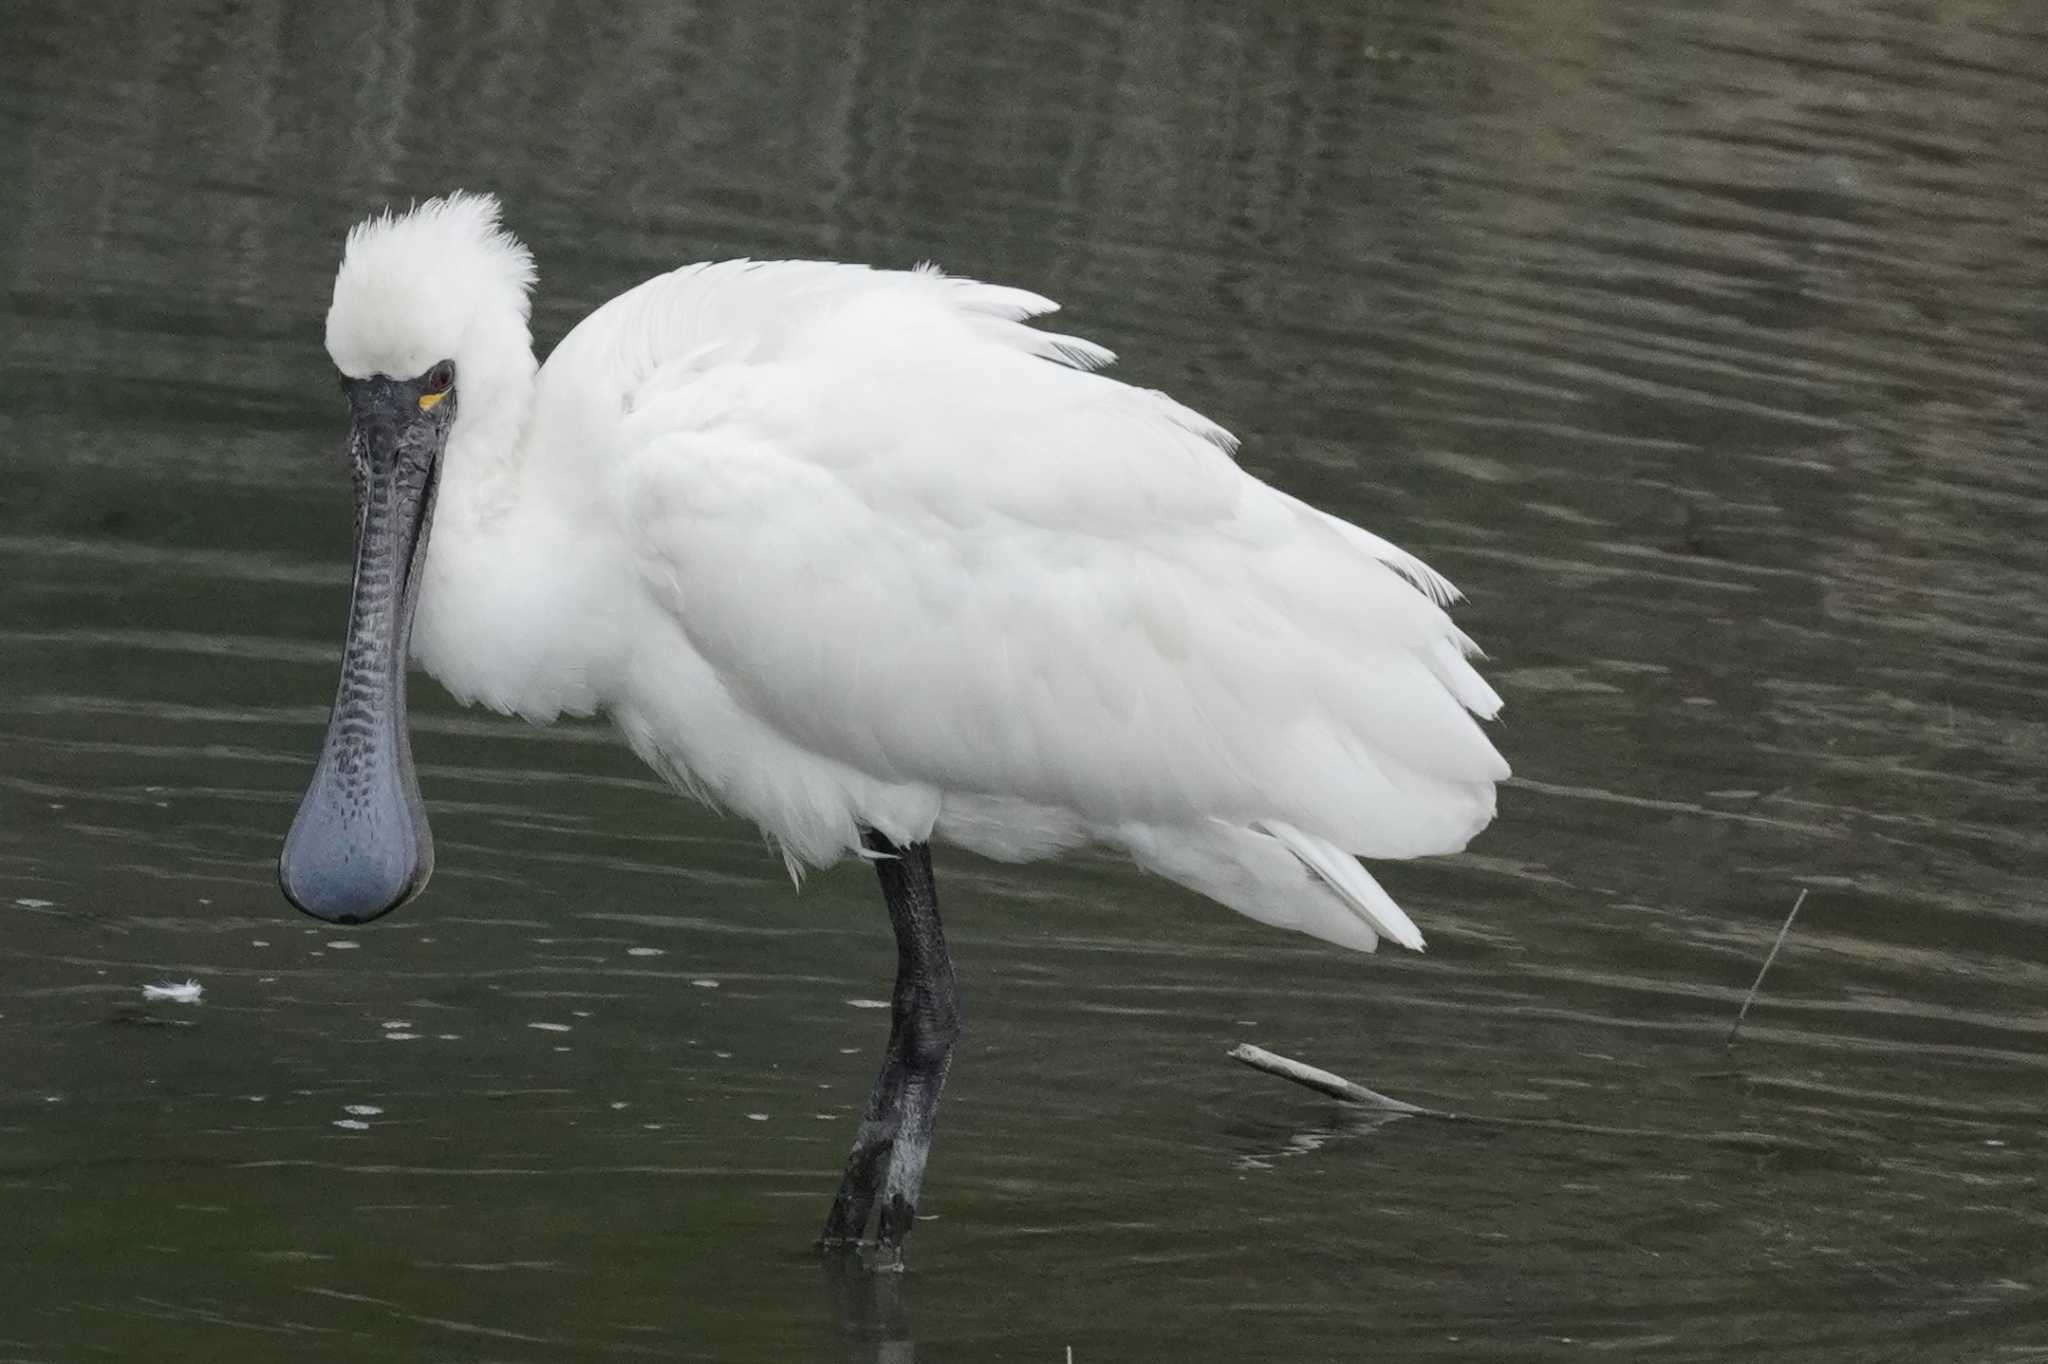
1336	1086
1757	984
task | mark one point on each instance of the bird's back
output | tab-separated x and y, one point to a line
903	560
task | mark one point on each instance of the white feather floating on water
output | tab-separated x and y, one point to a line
177	992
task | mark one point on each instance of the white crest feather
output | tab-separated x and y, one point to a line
413	285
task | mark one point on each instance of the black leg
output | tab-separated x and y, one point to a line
887	1161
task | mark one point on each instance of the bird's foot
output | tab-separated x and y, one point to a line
851	1211
877	1257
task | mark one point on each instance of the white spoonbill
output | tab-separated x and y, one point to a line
863	557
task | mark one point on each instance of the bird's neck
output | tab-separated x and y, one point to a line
480	470
512	596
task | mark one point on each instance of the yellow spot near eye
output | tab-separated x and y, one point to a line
427	400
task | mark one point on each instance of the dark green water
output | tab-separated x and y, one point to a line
1703	345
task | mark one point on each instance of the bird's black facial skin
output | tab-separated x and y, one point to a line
359	846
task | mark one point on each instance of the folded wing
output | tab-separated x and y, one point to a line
920	540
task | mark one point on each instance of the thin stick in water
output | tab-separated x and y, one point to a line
1325	1082
1757	984
1336	1086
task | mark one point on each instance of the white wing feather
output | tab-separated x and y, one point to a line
929	571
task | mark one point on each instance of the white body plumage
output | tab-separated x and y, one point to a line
838	547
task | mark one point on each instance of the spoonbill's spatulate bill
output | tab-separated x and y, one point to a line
863	557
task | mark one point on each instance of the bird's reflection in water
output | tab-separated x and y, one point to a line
870	1308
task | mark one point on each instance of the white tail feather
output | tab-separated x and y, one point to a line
1343	874
1253	873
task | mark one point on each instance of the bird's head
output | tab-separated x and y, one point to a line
429	318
